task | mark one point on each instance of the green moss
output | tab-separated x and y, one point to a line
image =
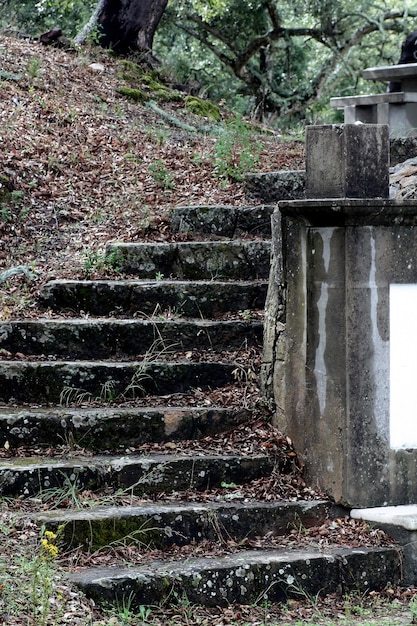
159	90
100	533
133	94
202	107
130	66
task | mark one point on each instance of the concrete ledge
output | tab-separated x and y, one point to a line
398	97
403	515
400	523
390	72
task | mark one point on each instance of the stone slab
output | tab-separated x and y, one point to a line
194	260
75	382
104	338
245	577
400	523
151	474
223	221
403	515
387	73
144	297
274	186
397	97
340	258
112	429
161	525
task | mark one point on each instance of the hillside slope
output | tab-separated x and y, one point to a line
81	164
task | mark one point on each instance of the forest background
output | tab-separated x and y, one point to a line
278	62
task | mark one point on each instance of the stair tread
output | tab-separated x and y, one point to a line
153	282
154	508
245	577
240	558
195	243
60	321
37	462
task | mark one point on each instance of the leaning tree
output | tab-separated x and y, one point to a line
125	26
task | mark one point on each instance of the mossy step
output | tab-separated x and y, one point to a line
160	525
223	220
69	382
244	577
196	260
103	429
101	338
150	474
276	186
198	299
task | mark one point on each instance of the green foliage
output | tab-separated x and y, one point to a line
33	67
28	582
236	151
161	176
36	16
100	261
267	59
12	205
273	59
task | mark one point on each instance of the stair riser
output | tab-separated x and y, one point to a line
183	525
223	221
199	300
268	580
87	339
195	261
144	476
69	383
55	480
113	429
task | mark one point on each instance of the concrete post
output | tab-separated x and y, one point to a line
347	161
354	429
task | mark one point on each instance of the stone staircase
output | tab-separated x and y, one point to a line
134	377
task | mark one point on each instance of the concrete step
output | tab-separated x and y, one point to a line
101	338
160	525
400	523
276	186
194	260
223	221
150	474
111	429
74	382
199	299
244	577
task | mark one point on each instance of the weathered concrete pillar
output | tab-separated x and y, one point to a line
347	161
347	396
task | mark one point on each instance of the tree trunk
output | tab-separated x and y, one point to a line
125	25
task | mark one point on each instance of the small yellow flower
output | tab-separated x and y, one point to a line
50	535
48	548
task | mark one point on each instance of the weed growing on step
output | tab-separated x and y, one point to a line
78	396
128	616
236	152
98	260
108	390
67	494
